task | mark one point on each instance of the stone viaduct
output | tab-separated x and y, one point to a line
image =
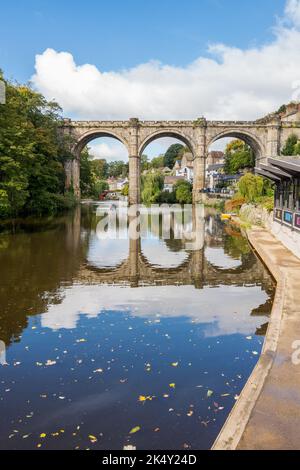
265	136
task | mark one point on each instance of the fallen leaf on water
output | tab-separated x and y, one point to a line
172	385
205	423
135	429
50	363
43	435
209	393
175	364
142	398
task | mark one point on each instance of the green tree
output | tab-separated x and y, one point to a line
144	163
173	153
31	154
184	192
152	185
238	155
98	188
290	145
99	168
86	174
297	149
117	169
125	190
251	187
157	162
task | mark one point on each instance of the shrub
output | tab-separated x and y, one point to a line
251	187
183	191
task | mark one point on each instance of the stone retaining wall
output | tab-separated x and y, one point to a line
259	216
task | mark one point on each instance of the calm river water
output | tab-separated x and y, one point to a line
107	342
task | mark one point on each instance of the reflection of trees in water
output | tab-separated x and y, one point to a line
236	246
33	266
174	244
44	255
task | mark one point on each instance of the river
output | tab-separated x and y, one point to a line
108	342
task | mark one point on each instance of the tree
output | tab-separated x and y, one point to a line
118	169
144	162
172	154
251	187
98	188
157	162
238	155
297	149
86	174
183	191
152	185
99	168
32	155
125	190
290	145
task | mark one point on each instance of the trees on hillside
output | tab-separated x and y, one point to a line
173	153
31	154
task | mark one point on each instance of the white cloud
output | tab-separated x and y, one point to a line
165	301
109	149
230	83
292	11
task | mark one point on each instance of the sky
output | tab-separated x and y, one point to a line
162	59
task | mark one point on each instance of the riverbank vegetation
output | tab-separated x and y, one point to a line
238	156
32	155
252	189
153	191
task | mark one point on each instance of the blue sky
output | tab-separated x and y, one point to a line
224	59
119	34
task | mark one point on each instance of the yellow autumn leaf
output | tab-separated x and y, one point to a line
172	385
142	398
134	430
175	364
43	435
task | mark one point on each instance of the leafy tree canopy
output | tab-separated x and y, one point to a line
152	186
173	153
238	155
292	146
184	192
32	155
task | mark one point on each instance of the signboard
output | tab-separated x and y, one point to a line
278	214
288	217
297	221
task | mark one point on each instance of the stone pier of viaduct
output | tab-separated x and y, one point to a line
265	136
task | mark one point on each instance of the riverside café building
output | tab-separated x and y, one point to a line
285	172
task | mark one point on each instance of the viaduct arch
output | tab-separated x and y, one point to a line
265	137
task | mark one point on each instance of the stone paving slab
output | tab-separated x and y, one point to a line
267	415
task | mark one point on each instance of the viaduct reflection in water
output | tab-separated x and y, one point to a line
43	258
